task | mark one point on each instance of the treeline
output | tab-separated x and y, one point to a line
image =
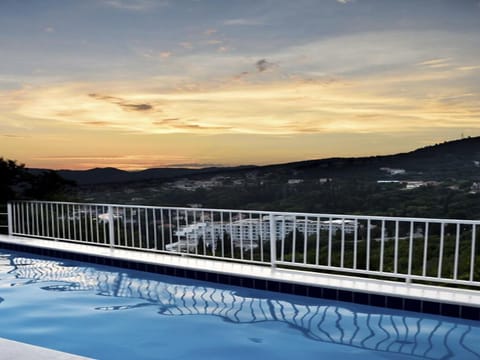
16	182
339	196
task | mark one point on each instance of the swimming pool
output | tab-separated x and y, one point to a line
110	313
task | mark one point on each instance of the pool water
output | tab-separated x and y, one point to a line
111	313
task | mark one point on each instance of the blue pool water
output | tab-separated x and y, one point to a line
111	313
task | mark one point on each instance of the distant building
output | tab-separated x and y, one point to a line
392	172
248	232
415	184
295	181
475	188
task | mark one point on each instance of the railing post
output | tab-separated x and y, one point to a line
9	219
273	241
111	227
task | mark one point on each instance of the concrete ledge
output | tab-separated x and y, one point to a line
13	350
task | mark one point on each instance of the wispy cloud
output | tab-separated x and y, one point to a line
186	44
13	136
281	108
124	104
210	32
195	165
214	42
127	162
436	63
264	65
469	68
165	54
134	5
179	124
98	123
243	22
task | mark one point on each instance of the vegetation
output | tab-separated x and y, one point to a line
16	182
448	174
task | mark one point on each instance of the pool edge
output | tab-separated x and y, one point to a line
399	296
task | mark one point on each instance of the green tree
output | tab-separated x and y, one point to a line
11	175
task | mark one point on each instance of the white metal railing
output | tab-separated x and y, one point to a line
420	249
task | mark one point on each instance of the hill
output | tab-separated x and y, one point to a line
455	159
111	175
452	159
440	181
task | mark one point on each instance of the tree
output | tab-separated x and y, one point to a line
17	183
48	185
11	176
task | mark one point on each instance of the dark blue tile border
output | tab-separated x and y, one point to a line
393	302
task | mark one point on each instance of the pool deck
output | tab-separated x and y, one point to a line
455	296
13	350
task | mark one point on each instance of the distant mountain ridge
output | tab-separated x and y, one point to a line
449	159
114	175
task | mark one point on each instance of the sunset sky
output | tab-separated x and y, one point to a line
144	83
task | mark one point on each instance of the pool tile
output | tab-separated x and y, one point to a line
344	295
394	302
450	310
330	294
287	288
413	305
316	292
301	290
260	284
469	312
273	286
236	281
431	307
361	298
377	300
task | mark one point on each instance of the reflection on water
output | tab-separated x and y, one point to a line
320	320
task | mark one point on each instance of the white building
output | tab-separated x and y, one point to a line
247	233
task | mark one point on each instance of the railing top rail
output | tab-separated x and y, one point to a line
264	212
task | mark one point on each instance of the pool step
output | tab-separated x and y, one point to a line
14	350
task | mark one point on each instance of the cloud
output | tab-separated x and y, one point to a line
179	124
165	121
49	29
214	42
241	76
165	54
124	104
98	123
403	98
436	63
134	5
186	44
345	1
468	68
210	32
264	65
13	136
196	165
243	22
127	162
